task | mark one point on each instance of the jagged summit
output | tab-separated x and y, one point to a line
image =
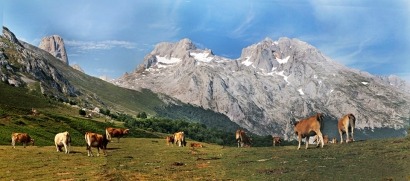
55	45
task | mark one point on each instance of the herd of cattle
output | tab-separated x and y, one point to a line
304	128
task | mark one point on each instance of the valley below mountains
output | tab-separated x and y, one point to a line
272	85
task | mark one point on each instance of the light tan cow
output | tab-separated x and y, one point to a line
309	127
242	139
346	123
21	138
96	140
276	140
63	140
116	133
179	138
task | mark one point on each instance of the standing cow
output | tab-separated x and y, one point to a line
116	132
309	127
96	140
179	138
346	123
242	138
21	138
63	140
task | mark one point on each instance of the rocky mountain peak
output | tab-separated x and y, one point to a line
55	45
10	36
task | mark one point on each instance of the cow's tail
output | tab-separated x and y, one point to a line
108	134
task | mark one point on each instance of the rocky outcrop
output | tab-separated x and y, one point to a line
55	45
271	85
77	67
22	64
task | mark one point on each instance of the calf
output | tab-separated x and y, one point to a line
346	123
96	140
242	138
309	127
21	138
116	132
170	139
63	140
276	140
196	145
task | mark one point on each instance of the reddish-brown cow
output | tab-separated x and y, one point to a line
116	133
96	140
170	139
21	138
309	127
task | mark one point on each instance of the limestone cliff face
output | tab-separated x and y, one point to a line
55	45
271	85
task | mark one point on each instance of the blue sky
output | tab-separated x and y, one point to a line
112	37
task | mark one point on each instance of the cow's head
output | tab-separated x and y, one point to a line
32	141
126	131
320	117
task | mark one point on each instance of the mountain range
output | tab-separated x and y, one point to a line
272	85
269	87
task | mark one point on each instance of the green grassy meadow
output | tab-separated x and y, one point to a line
152	159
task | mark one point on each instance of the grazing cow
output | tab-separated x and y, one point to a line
276	140
325	139
170	139
196	145
179	138
96	140
116	132
309	127
242	138
346	124
63	140
21	138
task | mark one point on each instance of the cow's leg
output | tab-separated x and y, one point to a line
341	136
90	153
98	151
13	143
58	148
320	138
68	148
300	140
24	144
347	133
65	148
307	142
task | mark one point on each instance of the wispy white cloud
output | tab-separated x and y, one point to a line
99	45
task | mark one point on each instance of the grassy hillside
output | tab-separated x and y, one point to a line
152	159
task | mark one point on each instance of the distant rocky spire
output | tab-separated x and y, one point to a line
55	45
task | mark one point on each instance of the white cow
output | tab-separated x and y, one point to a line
63	139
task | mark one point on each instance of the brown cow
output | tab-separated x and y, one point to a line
96	140
196	145
346	123
21	138
63	140
309	127
276	140
116	132
170	139
179	138
242	138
